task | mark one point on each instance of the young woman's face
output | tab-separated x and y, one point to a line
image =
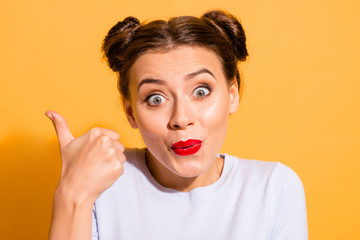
181	101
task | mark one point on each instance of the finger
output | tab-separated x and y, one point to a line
62	130
97	131
114	148
119	146
114	135
120	152
121	156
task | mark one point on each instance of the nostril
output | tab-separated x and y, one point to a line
181	118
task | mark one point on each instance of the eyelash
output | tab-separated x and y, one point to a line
200	86
151	95
204	86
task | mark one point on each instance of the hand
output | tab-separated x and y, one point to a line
91	163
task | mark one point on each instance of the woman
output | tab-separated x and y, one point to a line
179	83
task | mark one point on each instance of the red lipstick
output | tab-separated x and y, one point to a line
188	147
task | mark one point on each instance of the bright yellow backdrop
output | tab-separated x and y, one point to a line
300	105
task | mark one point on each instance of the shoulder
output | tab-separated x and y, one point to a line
273	173
134	155
135	158
135	172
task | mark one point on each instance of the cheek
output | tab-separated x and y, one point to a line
216	113
151	124
215	120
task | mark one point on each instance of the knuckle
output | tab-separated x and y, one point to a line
94	132
118	168
122	158
104	140
120	146
111	151
116	134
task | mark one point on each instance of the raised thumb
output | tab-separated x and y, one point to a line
62	130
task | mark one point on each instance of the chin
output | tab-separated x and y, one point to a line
190	171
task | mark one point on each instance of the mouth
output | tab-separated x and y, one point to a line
188	147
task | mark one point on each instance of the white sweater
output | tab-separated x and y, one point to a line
251	200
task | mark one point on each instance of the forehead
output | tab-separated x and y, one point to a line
176	62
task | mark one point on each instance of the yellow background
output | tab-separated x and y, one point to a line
300	105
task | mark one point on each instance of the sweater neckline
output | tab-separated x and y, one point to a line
196	193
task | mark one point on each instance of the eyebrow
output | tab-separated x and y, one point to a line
194	74
187	77
151	80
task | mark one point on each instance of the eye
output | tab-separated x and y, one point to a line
155	100
201	92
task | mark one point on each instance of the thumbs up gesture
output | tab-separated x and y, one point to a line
91	163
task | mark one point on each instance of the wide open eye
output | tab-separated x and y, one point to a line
155	100
201	92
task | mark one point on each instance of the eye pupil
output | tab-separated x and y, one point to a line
200	93
157	100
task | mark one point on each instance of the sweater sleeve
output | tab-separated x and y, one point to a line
94	233
289	218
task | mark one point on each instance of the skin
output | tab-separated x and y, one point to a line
91	163
195	103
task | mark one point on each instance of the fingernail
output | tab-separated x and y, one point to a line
49	115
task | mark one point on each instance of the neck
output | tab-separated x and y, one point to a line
169	179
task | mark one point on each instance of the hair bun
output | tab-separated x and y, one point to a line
116	39
230	27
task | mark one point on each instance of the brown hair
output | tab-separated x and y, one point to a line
216	30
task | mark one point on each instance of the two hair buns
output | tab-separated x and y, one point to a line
223	23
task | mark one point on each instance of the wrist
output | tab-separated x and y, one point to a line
71	198
71	217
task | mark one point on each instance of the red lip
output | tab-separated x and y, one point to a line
188	147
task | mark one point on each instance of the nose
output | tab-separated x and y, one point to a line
182	116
